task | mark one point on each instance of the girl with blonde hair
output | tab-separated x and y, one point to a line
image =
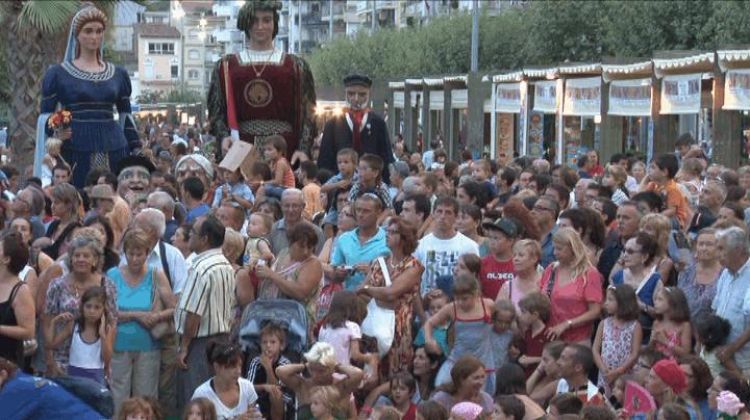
659	227
526	256
574	287
318	370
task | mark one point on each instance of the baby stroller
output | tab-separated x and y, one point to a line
286	313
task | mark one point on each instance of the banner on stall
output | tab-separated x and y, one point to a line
737	90
681	94
505	129
508	98
545	96
583	97
535	144
630	98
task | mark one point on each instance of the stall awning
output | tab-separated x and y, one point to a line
681	94
630	98
737	90
398	100
583	97
508	97
460	99
396	85
545	96
437	99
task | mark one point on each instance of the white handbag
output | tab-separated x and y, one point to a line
380	322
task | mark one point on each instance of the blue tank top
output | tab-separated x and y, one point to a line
132	335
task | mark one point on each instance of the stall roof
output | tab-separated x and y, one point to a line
414	82
515	76
462	78
433	82
676	62
396	85
580	68
630	70
733	58
541	72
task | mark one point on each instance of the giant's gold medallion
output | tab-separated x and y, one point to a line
258	93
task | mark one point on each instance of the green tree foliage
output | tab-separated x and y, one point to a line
538	33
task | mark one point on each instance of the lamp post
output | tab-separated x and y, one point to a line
178	14
202	36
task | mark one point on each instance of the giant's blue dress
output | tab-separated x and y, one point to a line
98	139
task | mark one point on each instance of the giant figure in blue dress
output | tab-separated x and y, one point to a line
91	89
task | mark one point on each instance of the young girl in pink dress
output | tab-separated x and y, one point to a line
618	337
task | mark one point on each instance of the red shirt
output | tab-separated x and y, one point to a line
494	274
571	300
411	413
534	345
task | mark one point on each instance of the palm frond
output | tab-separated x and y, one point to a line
52	16
49	17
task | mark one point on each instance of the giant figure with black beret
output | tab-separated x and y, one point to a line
358	128
262	91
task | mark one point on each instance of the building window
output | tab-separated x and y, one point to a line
193	74
161	48
175	71
149	68
194	55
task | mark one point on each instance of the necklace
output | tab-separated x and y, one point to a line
266	62
390	262
76	288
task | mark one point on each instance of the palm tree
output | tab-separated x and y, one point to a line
35	33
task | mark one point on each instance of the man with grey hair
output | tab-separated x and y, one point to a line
541	166
164	202
731	300
579	192
292	205
29	204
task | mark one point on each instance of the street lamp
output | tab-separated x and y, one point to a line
202	23
178	13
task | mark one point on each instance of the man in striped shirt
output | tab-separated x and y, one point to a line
204	312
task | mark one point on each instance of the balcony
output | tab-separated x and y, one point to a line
363	7
339	11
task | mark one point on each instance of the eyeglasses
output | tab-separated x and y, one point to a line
537	207
631	251
392	231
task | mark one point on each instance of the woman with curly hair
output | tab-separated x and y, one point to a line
404	273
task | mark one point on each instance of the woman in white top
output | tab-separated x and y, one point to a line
231	395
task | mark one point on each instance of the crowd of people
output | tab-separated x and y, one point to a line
470	290
344	276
